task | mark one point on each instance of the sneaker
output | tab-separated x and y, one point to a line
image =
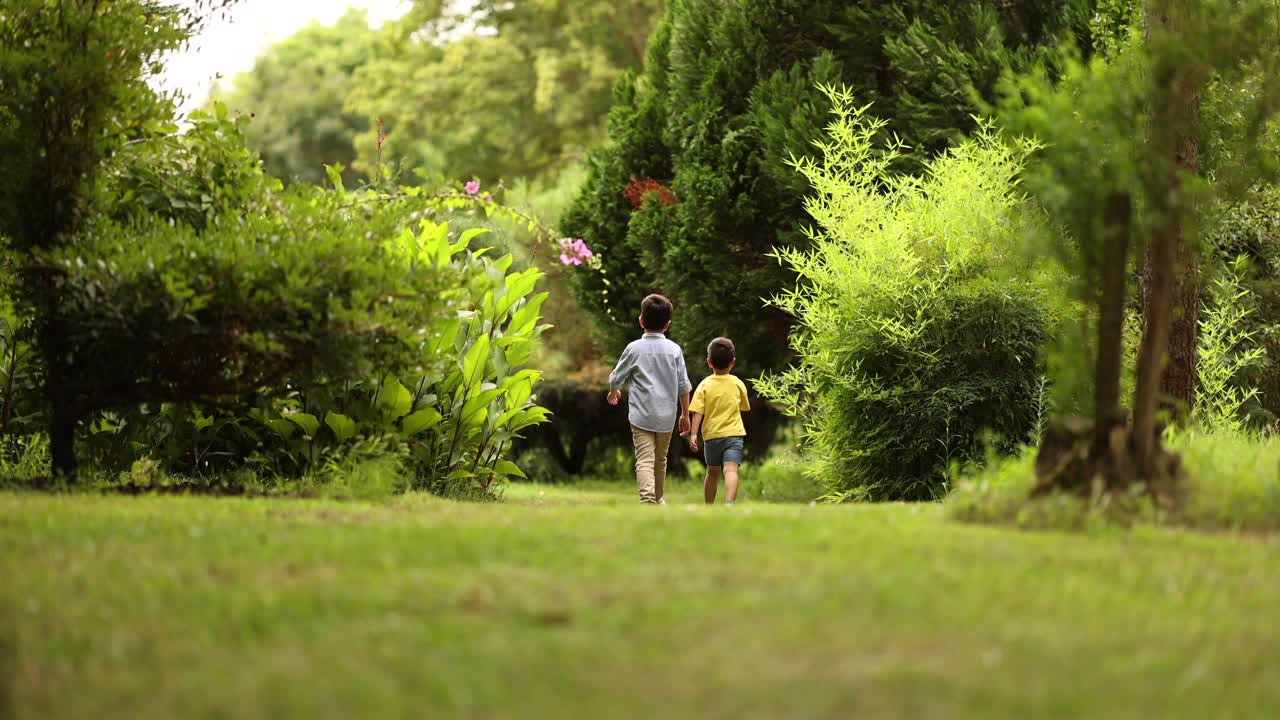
662	501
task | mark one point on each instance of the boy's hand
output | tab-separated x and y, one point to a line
614	396
684	425
693	443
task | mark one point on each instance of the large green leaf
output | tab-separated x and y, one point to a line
506	467
424	419
526	318
283	428
472	411
306	421
519	391
343	427
475	362
525	418
395	399
469	235
517	286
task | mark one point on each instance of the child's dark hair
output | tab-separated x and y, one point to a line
721	353
655	313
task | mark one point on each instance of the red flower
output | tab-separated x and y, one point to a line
638	190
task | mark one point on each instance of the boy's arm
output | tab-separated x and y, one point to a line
685	388
684	413
620	375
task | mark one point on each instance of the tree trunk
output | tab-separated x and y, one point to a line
1115	255
1179	376
62	439
1173	119
63	417
1155	340
59	392
1178	382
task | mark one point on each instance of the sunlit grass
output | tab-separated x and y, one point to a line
580	603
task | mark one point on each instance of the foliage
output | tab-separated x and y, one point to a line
296	92
727	95
75	92
232	311
1119	172
638	190
1250	228
450	77
21	401
1226	350
328	381
783	476
1234	485
910	346
205	283
1095	120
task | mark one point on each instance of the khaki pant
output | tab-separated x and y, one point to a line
651	462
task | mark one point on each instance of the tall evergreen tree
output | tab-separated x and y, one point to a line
728	95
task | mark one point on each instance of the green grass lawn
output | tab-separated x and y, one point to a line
578	603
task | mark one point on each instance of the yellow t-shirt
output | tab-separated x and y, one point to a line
720	399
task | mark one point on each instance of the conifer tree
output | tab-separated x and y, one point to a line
728	96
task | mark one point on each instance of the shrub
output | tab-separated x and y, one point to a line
247	326
451	408
913	353
727	93
1226	351
1251	228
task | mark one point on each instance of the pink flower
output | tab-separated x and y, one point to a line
573	251
472	187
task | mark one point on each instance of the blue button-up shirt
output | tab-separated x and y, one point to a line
654	368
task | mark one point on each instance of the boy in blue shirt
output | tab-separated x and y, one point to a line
653	367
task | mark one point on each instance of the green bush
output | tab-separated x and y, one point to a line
282	331
728	93
452	408
913	353
1251	229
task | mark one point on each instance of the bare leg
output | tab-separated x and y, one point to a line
730	482
709	485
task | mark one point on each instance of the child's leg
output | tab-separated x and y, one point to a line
661	444
644	443
710	483
730	482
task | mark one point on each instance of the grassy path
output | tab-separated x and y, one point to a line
580	604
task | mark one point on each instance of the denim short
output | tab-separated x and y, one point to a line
723	450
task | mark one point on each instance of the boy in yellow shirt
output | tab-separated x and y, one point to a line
717	409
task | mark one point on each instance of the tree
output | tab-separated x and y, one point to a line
171	268
296	93
728	95
75	91
1117	173
498	90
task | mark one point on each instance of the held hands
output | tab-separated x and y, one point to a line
614	396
